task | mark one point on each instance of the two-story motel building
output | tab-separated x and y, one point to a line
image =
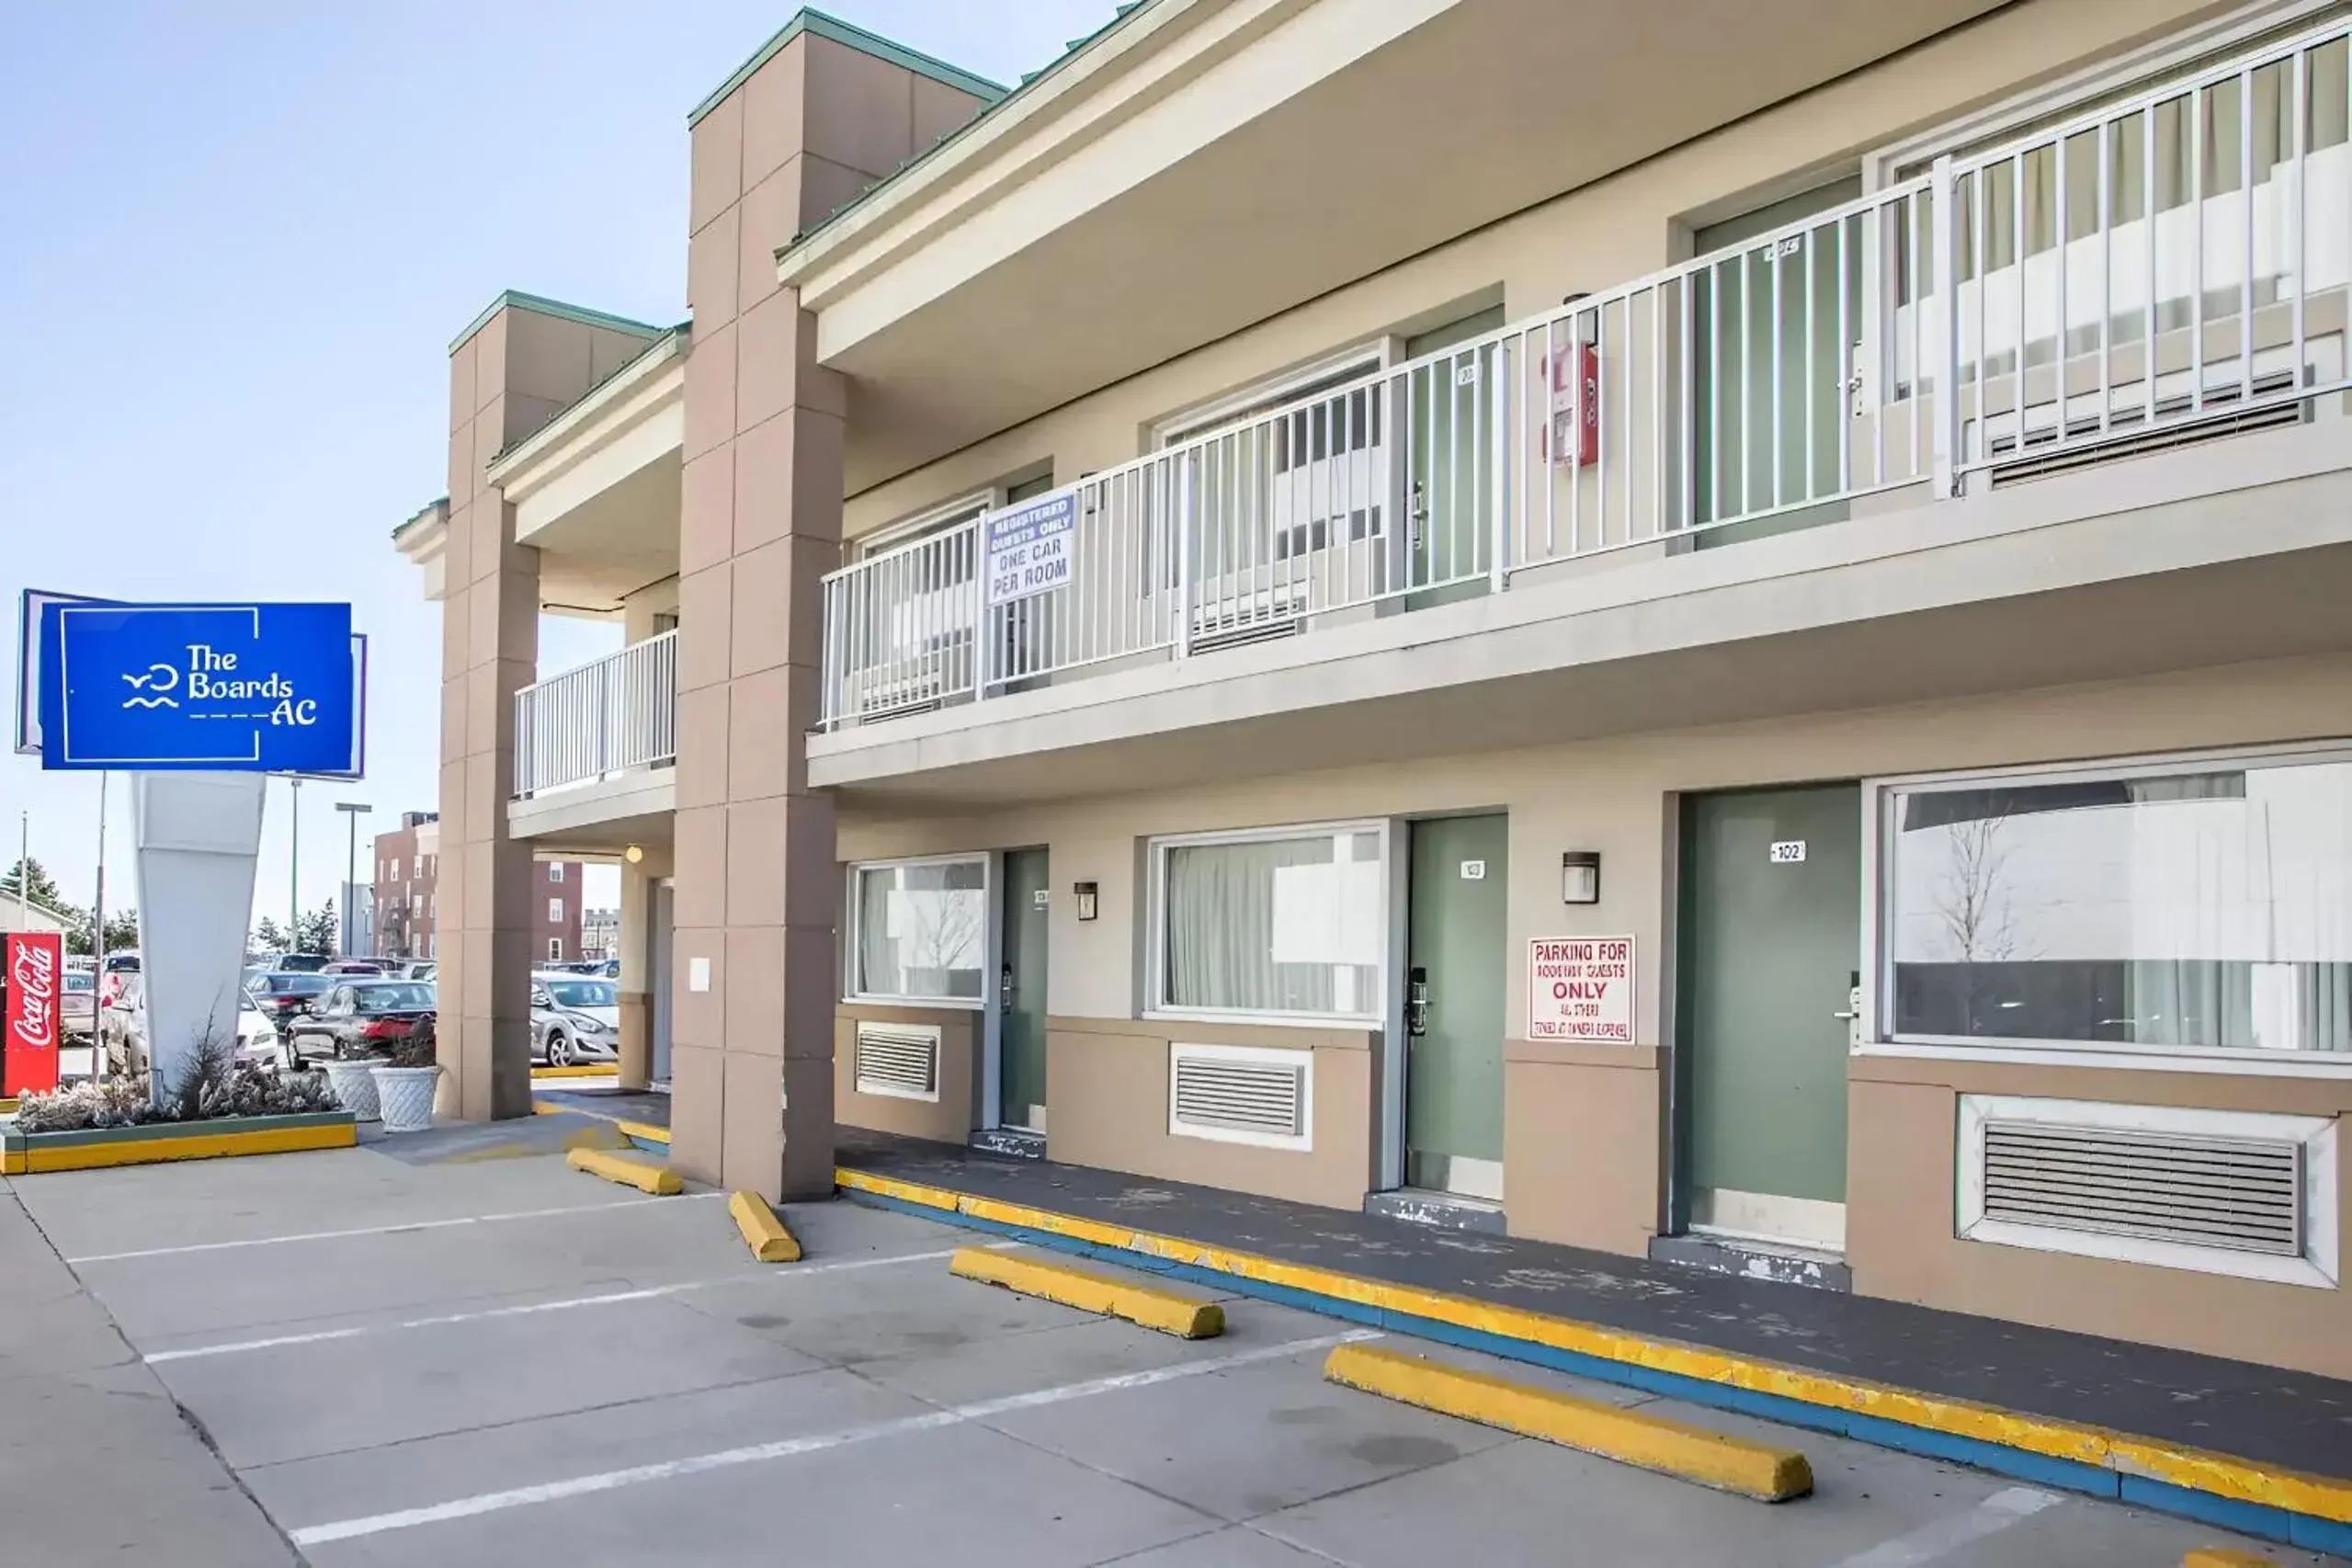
1719	631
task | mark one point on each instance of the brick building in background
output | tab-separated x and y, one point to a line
408	863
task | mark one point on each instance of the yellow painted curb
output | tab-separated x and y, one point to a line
1630	1437
645	1130
659	1180
195	1146
598	1070
2219	1475
766	1235
1149	1306
2224	1557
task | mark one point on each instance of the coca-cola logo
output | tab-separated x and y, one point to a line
33	978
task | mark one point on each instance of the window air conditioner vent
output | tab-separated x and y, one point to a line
898	1060
2245	1194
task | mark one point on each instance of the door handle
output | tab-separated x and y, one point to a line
1004	990
1416	1003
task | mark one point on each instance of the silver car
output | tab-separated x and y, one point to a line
575	1018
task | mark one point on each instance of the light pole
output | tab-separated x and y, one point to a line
352	811
294	871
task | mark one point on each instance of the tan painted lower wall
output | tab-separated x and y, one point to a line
1900	1212
1107	1083
949	1119
635	1045
1580	1143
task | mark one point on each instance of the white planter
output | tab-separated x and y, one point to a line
354	1084
405	1095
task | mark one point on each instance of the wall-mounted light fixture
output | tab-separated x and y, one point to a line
633	854
1086	894
1580	877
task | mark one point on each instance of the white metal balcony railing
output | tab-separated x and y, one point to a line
617	713
1770	384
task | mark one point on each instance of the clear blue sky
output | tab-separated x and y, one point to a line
235	240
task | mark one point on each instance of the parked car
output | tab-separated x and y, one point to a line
353	966
360	1015
574	1017
284	995
77	1011
123	1029
416	969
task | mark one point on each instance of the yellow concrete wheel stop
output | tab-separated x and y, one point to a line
769	1240
1186	1315
659	1180
2224	1557
1630	1437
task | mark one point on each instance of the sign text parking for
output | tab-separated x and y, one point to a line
1580	988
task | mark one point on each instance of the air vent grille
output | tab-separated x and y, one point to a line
2242	1194
1220	1093
899	1060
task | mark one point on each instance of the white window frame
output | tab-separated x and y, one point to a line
853	907
555	870
930	519
2118	76
555	949
555	910
1373	1016
1363	358
1301	1057
2317	1266
1878	957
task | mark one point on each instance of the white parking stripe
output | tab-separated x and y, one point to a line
759	1453
1930	1542
384	1230
528	1309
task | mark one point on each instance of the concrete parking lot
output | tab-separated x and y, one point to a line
499	1361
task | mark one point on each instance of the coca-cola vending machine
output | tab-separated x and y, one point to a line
36	971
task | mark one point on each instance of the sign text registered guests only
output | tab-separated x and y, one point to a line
1580	988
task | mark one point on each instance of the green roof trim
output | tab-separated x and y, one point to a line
427	510
853	37
515	299
1120	13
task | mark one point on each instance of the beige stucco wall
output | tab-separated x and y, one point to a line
1583	1145
949	1119
1107	1083
1902	1116
1604	233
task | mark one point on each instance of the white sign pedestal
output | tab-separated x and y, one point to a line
198	836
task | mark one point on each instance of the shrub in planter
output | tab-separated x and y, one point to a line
216	1085
405	1079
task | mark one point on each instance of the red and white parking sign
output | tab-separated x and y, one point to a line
1580	988
35	969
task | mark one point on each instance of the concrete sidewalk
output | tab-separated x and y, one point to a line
96	1462
2258	1449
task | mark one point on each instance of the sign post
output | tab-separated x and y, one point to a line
36	971
199	703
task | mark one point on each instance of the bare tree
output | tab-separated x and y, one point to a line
1973	904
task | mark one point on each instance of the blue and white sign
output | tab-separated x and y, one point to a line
1028	549
235	688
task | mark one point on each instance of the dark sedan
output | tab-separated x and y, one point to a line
361	1017
282	995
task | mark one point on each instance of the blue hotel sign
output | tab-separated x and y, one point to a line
230	688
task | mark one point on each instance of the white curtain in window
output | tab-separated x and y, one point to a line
1276	925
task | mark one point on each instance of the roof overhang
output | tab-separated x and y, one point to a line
1202	166
424	539
595	489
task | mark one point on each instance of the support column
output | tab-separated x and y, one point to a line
634	988
820	117
519	365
